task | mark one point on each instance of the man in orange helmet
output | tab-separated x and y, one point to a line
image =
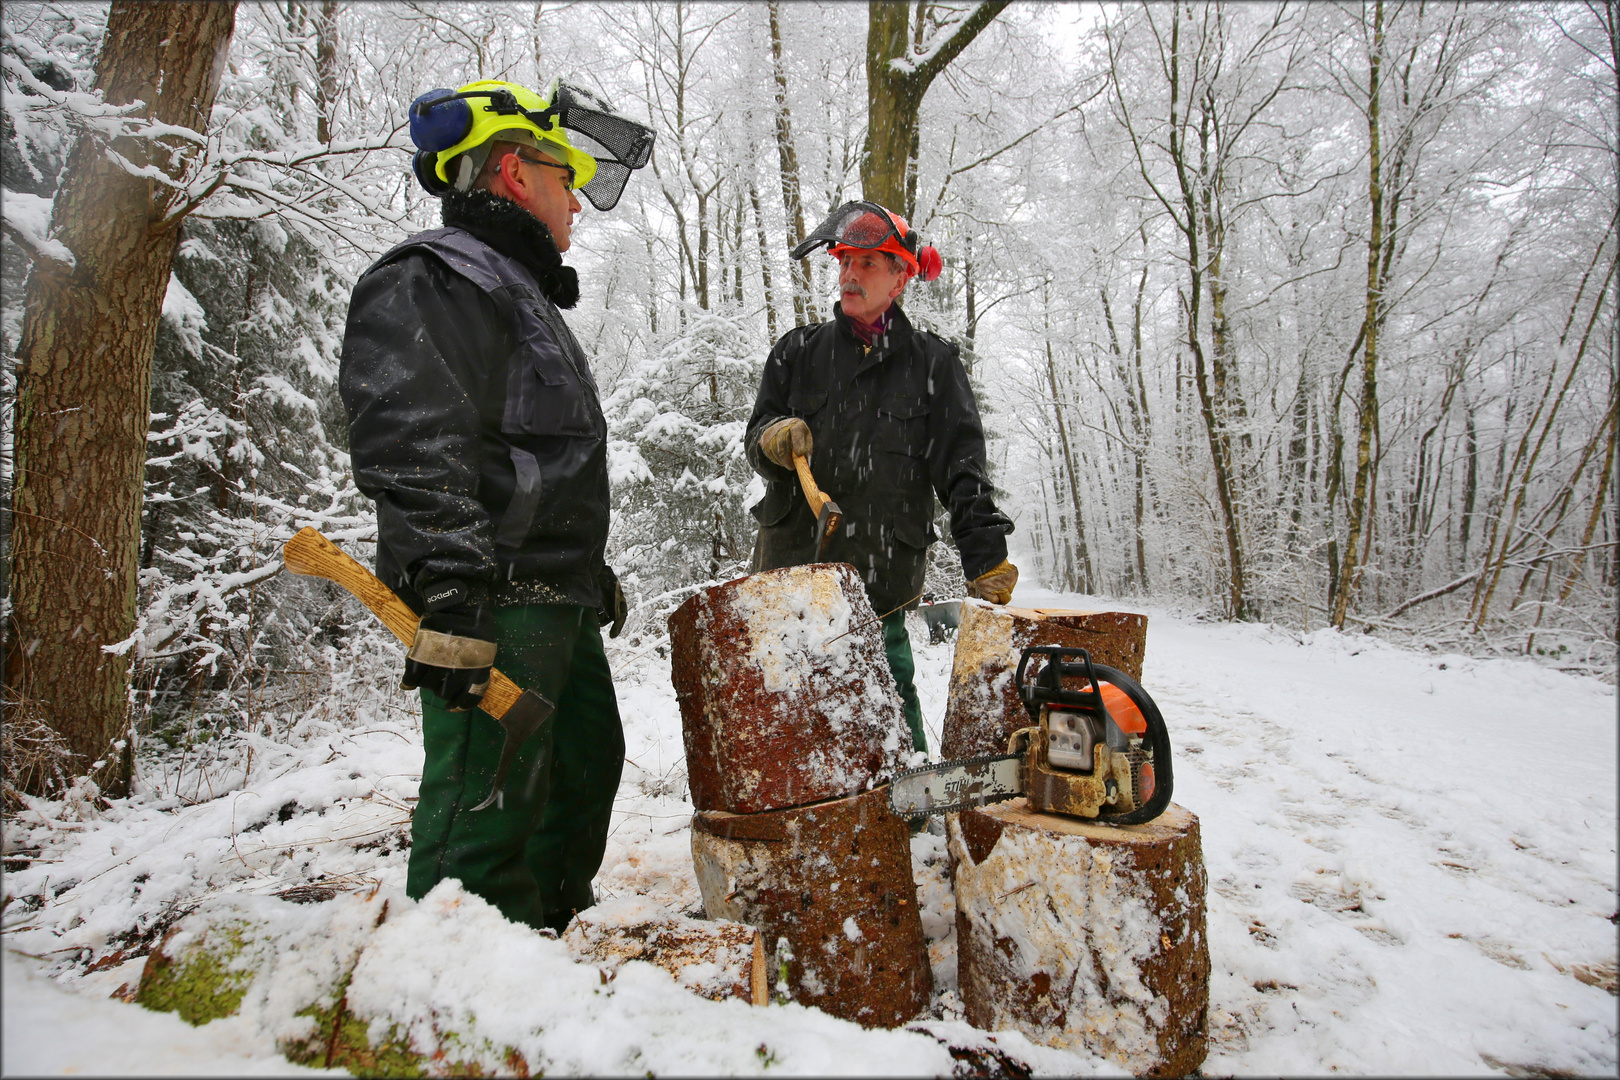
887	418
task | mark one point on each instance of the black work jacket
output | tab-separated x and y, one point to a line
473	415
893	428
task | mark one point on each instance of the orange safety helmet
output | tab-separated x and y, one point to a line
866	226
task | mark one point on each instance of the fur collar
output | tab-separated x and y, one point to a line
514	232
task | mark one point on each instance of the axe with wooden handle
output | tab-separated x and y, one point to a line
828	515
519	712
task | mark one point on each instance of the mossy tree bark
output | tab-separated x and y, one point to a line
897	78
84	382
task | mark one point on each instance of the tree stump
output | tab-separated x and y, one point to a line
785	693
834	880
983	708
714	959
1084	935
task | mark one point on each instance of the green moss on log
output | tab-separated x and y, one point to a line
205	983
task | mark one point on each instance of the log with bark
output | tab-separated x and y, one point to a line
785	693
834	881
1084	936
983	707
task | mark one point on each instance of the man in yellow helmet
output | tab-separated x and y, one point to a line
475	424
886	416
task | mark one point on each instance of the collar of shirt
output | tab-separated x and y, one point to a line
868	333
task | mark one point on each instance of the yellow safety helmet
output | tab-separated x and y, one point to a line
446	124
490	120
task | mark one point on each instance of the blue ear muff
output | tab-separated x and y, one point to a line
439	120
423	166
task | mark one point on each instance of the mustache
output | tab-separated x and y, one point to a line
854	288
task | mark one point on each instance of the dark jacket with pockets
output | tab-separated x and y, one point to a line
893	428
473	415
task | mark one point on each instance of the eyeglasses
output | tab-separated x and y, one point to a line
569	169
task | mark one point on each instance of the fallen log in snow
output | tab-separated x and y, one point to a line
385	986
1084	936
983	707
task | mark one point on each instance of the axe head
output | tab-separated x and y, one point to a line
827	523
523	719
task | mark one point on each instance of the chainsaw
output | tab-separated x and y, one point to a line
1098	749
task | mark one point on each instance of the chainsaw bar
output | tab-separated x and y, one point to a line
957	785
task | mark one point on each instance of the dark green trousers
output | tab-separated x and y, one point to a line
897	647
532	855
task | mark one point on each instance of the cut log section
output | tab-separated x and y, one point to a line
834	880
1084	936
983	707
717	960
785	693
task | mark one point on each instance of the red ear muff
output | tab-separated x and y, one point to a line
929	263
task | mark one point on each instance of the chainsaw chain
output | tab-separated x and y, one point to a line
959	763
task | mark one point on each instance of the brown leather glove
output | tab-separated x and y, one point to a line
786	437
995	584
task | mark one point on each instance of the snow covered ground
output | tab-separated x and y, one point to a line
1412	865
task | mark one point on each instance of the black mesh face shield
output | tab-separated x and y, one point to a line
619	145
860	225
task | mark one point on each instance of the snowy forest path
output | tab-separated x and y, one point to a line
1397	842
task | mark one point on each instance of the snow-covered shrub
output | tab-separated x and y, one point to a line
681	478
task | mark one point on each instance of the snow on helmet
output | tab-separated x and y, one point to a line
448	124
866	226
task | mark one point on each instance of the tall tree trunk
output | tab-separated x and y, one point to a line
326	69
1470	478
787	159
1143	502
1542	424
1212	412
1360	504
970	332
737	229
1136	437
84	387
764	262
1295	456
1086	582
895	86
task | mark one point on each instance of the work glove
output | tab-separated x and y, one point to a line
454	648
785	438
995	584
614	610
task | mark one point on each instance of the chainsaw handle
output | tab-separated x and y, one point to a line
1059	667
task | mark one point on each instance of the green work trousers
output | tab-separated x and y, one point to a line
534	853
897	647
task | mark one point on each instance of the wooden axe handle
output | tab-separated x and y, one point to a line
812	494
312	554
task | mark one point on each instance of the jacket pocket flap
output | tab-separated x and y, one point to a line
805	403
904	408
912	533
